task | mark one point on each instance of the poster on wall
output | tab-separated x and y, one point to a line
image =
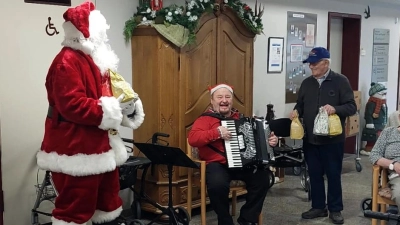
380	55
301	38
275	55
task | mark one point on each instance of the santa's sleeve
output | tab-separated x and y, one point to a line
69	93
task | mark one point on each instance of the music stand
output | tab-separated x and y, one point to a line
170	156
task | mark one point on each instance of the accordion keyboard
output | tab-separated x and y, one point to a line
232	146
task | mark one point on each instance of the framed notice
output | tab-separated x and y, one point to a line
51	2
380	55
310	36
275	55
296	53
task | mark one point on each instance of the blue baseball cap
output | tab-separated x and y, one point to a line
316	54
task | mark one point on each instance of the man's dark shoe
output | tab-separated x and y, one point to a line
336	217
243	222
314	213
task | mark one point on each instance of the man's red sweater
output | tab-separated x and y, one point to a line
205	131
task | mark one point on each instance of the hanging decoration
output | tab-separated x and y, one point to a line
186	17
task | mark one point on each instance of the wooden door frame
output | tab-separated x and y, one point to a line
350	23
332	15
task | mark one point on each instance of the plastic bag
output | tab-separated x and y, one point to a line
296	128
335	125
321	123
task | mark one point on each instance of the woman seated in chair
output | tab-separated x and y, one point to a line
386	153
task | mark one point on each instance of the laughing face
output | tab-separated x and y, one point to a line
221	101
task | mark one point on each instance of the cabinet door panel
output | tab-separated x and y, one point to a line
198	69
234	63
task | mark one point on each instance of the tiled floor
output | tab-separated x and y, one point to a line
287	200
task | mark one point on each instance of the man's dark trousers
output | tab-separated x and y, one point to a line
325	159
218	178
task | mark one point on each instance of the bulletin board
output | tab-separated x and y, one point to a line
301	38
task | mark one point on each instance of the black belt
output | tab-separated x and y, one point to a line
50	115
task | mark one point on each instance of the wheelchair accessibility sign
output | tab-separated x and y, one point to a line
50	29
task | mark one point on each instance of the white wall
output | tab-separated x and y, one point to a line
268	86
27	54
335	47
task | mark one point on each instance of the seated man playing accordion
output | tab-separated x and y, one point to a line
208	136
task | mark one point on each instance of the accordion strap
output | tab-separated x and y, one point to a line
218	116
216	150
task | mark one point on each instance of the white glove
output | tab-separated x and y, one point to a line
370	126
137	119
128	108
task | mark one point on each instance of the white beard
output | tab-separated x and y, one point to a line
104	57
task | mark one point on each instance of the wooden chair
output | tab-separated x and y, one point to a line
236	186
380	190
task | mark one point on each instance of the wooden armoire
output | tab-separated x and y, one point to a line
173	85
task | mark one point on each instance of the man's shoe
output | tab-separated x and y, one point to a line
243	222
314	213
336	217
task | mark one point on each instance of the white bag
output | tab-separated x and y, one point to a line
321	123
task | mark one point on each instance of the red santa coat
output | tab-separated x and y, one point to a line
82	145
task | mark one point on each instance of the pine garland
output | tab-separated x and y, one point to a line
189	15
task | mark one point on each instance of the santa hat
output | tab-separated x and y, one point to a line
79	17
219	86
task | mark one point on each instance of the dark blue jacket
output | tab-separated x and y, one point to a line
336	91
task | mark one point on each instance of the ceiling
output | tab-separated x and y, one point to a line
394	4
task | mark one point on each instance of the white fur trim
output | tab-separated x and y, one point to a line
118	146
112	115
102	217
136	121
61	222
77	165
75	39
221	86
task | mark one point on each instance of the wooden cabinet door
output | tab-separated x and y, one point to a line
234	60
198	72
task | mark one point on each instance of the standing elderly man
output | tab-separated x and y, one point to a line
208	136
324	154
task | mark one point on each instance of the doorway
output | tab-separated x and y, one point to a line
344	40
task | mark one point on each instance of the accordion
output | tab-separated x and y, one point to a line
248	145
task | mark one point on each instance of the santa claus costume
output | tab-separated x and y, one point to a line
80	145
